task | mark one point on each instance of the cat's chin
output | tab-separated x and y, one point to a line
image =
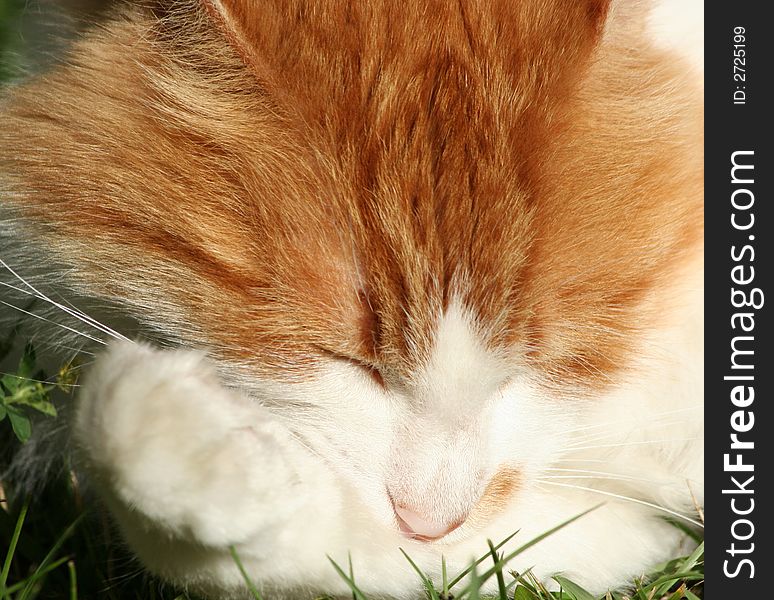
381	571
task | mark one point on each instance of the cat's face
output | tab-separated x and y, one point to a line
426	242
448	447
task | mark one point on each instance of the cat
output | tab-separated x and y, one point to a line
406	276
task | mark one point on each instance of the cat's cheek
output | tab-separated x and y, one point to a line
163	437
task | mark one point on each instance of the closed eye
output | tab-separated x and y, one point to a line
374	373
369	369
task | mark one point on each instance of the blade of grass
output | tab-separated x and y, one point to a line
501	563
503	594
444	579
685	528
685	566
679	593
481	559
513	583
672	579
351	572
73	580
542	592
523	593
531	584
12	547
16	587
38	574
528	585
474	589
694	558
640	594
350	582
429	587
572	589
245	576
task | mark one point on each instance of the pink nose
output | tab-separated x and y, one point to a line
416	526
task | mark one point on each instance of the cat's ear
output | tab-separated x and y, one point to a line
239	21
249	24
298	44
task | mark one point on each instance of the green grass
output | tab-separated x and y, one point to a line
54	546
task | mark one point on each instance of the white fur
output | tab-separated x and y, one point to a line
190	467
678	27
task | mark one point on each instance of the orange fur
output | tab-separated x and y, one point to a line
497	495
301	180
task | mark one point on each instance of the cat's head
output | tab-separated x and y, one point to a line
425	236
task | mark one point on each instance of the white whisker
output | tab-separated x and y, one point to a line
627	499
587	474
667	441
74	312
611	477
57	346
82	365
628	418
581	460
81	333
547	478
77	350
38	380
611	434
302	441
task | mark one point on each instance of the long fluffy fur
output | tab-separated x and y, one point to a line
355	186
296	188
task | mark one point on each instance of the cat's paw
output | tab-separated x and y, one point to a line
168	441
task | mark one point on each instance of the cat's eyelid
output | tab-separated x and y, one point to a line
371	368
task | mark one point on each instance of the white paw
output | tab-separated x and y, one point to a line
165	439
